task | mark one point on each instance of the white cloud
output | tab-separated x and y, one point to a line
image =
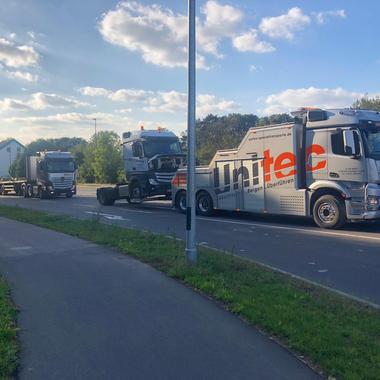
291	99
19	75
160	35
284	26
173	101
40	101
121	95
93	91
322	16
252	68
13	55
250	42
9	104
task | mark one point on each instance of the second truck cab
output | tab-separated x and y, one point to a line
151	159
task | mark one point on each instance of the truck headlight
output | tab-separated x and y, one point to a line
153	182
373	203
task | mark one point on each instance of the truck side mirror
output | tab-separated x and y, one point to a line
349	143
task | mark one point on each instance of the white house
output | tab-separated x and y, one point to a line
8	153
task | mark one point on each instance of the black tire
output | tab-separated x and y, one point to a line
29	191
104	199
205	205
2	190
180	202
70	195
329	212
41	193
135	193
24	193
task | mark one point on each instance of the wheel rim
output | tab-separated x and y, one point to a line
204	204
327	212
182	202
136	192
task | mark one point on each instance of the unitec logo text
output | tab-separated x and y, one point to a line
284	165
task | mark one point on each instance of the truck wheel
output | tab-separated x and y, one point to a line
180	202
29	191
41	193
2	190
103	199
329	212
135	193
205	205
24	193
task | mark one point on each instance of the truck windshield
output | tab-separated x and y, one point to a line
154	147
60	166
371	137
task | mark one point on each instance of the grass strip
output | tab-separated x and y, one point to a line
8	334
336	334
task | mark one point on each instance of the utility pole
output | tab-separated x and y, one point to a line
96	135
191	248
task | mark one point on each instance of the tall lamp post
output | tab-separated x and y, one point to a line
191	249
96	135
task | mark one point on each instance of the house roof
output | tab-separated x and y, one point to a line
6	142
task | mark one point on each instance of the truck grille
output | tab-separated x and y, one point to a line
62	184
164	177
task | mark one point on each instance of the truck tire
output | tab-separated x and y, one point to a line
29	191
24	193
205	206
135	193
41	193
2	190
180	202
329	212
104	197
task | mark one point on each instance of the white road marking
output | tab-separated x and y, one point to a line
310	231
25	248
312	263
203	243
323	270
107	216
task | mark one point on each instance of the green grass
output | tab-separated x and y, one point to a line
8	334
334	333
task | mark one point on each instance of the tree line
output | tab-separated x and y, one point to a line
100	159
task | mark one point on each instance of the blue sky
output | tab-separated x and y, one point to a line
63	63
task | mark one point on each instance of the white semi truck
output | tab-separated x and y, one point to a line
151	159
48	174
326	165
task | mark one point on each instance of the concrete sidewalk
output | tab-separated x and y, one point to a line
88	312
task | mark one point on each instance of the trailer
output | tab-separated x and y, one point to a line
151	159
325	165
48	174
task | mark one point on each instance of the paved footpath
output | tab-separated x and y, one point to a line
88	312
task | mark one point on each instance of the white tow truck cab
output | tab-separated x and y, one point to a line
326	165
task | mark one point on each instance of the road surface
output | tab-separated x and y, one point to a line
347	260
89	312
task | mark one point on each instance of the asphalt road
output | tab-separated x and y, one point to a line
88	312
347	260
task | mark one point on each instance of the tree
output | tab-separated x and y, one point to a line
368	103
102	161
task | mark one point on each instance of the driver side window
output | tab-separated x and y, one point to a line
338	145
137	150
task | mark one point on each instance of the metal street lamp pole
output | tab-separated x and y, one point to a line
96	135
191	249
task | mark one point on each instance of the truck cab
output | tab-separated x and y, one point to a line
151	159
50	174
